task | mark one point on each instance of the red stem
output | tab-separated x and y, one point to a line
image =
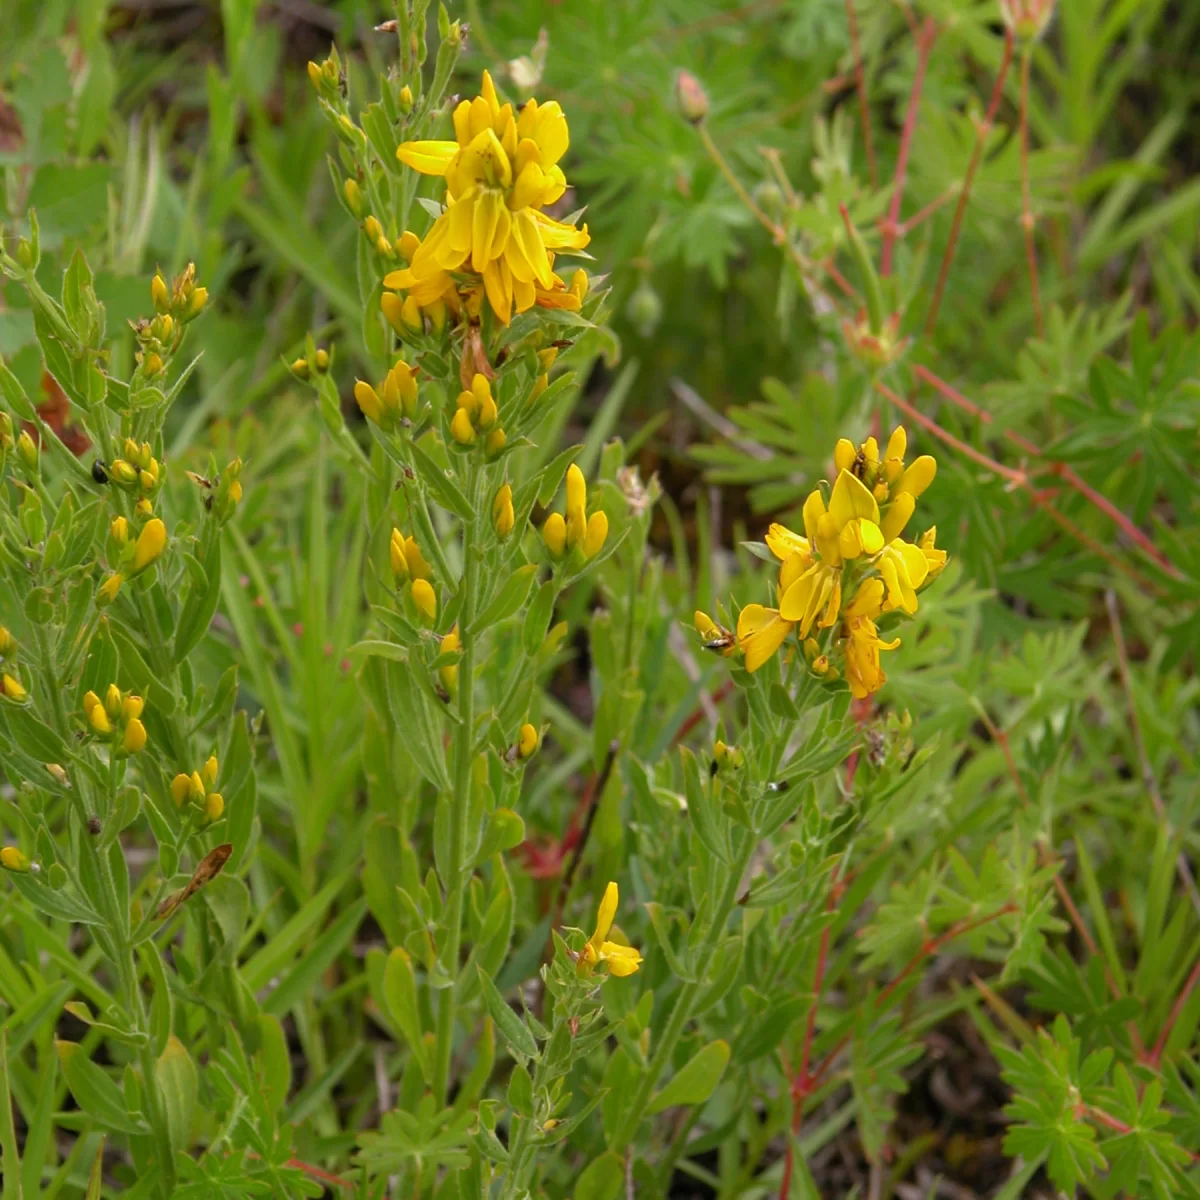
923	214
1027	220
1058	469
892	225
860	83
1188	988
697	714
968	180
1021	480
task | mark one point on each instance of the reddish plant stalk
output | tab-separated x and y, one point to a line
697	714
1176	1009
1021	480
860	83
1027	221
892	224
923	214
1058	469
963	196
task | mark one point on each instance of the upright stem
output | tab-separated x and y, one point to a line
1027	219
860	84
463	753
688	994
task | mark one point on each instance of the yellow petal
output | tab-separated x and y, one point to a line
528	236
783	543
425	598
793	567
558	236
497	282
868	600
605	915
576	488
430	158
897	445
850	500
814	510
897	515
458	219
761	632
622	960
918	476
554	534
528	189
550	132
487	90
596	535
844	454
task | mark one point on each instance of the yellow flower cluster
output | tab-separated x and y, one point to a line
199	790
475	413
409	566
561	535
11	688
501	171
395	399
116	718
132	556
620	959
137	472
853	543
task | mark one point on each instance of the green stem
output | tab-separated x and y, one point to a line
688	995
460	804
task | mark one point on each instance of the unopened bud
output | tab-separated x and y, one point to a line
27	451
691	97
353	195
159	294
406	99
25	254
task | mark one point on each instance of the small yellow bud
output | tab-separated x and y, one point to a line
97	717
58	774
368	401
496	441
410	315
418	568
449	674
119	530
580	283
147	480
425	598
503	516
554	638
373	229
844	454
437	313
384	248
152	365
152	541
196	788
576	488
406	99
408	244
321	360
27	451
107	591
132	706
549	1124
235	493
461	429
918	476
198	301
143	508
353	194
396	553
123	472
133	452
539	386
596	535
488	412
159	294
112	701
135	737
209	771
11	859
393	310
181	789
527	740
554	534
12	688
314	75
214	806
8	643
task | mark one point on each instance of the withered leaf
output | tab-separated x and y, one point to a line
207	869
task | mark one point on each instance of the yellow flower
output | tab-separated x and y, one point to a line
527	740
8	643
503	517
96	716
150	544
935	558
12	688
107	592
727	756
395	398
397	557
449	674
621	960
425	598
461	429
863	672
496	441
761	631
501	170
418	568
11	859
563	534
119	530
214	806
716	637
208	773
596	534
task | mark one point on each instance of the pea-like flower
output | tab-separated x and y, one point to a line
198	790
562	534
117	719
620	959
393	401
503	516
501	171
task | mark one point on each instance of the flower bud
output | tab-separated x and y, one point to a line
527	740
321	359
354	198
12	688
8	643
461	429
691	97
132	707
11	859
407	245
107	591
210	770
596	535
159	294
496	441
25	254
503	517
135	737
411	317
396	553
123	472
112	701
425	598
418	568
368	401
314	75
406	99
181	789
58	775
449	674
373	229
554	534
214	806
27	451
152	541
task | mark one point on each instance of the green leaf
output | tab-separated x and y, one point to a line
443	489
95	1093
320	956
509	598
602	1179
696	1082
177	1084
520	1091
505	829
537	618
276	1059
400	992
201	601
10	1159
514	1031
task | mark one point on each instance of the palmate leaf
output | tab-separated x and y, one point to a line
1049	1106
1146	1160
877	1061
